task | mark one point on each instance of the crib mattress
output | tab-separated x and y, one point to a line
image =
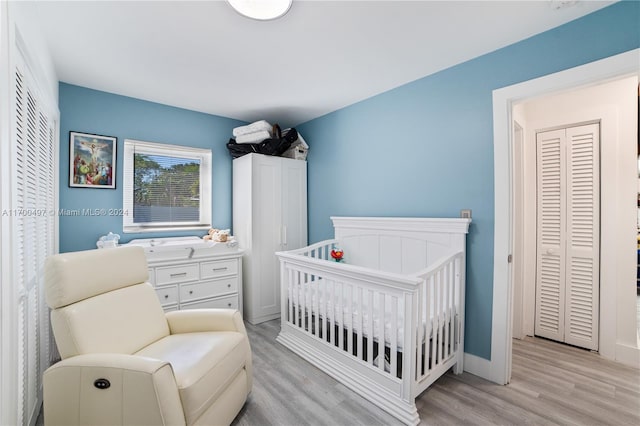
322	301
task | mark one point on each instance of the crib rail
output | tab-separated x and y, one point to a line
439	297
396	325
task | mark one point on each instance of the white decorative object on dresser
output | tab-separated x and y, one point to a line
269	215
190	273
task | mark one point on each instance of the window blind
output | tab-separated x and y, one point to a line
166	189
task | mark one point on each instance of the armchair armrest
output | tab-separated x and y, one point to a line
196	320
111	389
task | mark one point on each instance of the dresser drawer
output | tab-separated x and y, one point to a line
218	268
170	308
224	286
167	295
176	274
229	302
208	289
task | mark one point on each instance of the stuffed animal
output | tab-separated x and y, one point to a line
221	235
209	236
217	235
337	254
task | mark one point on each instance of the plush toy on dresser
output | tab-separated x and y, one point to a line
217	235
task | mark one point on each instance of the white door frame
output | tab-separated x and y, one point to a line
503	99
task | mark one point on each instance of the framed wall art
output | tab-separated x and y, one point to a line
92	161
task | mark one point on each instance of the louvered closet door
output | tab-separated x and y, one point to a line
550	270
567	298
583	240
34	184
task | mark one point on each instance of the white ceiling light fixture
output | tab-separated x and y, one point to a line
262	10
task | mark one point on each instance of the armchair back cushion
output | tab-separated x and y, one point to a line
100	309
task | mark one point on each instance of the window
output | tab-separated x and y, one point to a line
166	187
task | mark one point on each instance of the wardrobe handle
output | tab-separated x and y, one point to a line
284	235
550	251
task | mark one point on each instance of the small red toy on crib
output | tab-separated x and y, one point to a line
337	254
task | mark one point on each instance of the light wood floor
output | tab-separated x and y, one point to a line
551	384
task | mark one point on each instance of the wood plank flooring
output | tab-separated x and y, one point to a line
552	384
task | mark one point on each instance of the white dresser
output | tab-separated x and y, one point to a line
189	273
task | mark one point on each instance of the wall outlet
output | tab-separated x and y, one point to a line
465	213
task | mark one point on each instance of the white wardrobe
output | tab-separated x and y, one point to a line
269	215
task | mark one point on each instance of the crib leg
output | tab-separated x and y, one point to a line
459	365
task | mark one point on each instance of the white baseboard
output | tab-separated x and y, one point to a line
477	366
628	355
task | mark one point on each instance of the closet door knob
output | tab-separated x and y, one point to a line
550	251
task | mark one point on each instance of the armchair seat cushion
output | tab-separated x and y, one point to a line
204	365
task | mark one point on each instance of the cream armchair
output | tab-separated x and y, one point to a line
126	362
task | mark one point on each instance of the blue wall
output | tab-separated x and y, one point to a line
90	111
426	148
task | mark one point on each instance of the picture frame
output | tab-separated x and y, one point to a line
92	161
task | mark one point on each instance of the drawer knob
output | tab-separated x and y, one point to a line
190	291
166	296
102	384
229	304
229	285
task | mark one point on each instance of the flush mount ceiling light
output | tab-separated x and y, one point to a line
262	10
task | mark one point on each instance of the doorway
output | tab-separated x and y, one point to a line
616	341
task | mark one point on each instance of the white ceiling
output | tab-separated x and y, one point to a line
322	56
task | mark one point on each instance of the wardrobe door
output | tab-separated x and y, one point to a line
583	236
551	223
294	204
266	229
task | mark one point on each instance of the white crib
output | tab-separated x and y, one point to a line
389	320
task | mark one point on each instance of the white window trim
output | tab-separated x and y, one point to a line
206	172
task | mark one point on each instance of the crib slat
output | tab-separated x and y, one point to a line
370	329
323	308
332	313
316	307
451	308
434	327
382	320
447	304
300	300
360	323
308	301
296	290
340	316
291	295
350	318
460	300
303	303
393	347
421	324
440	315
